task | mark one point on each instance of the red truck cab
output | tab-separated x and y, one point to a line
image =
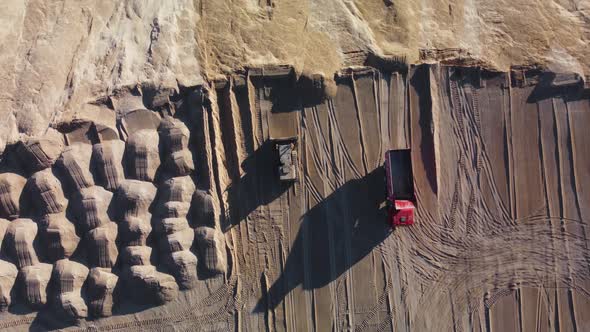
400	187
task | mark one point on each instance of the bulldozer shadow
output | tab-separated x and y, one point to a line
258	186
333	236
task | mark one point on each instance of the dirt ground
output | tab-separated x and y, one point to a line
500	241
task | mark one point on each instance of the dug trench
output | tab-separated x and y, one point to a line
182	203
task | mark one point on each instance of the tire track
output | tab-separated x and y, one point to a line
339	141
480	155
376	308
233	300
360	125
17	322
477	156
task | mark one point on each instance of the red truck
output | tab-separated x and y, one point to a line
400	187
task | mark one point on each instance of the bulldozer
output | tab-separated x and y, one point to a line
287	155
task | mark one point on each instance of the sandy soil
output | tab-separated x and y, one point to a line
501	235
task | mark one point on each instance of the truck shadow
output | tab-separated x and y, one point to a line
333	236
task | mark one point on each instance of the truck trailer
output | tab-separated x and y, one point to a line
400	187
